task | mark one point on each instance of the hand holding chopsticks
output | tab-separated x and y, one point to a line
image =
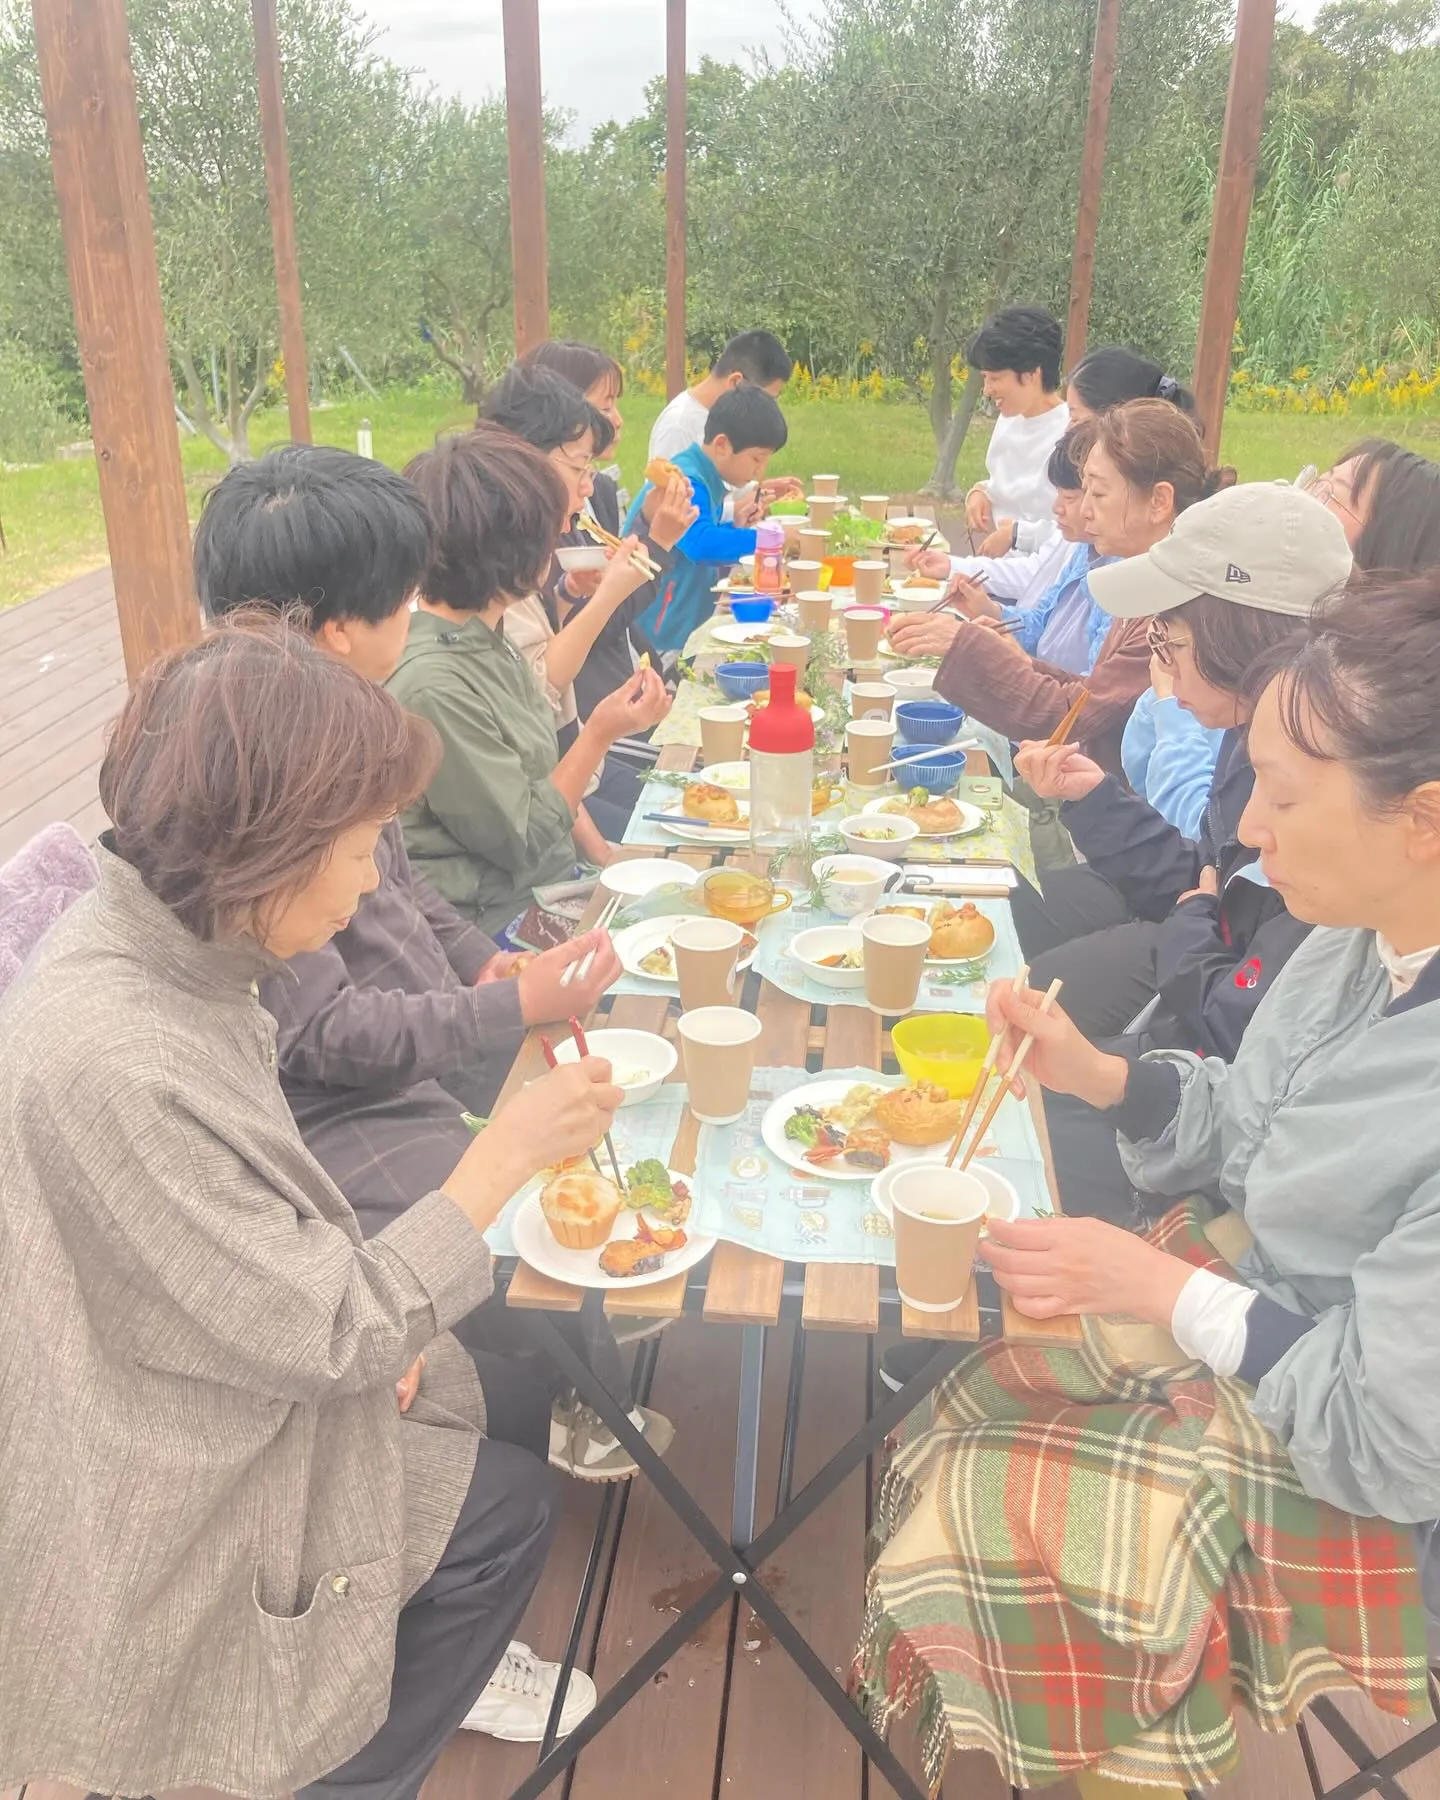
592	527
578	970
577	1031
1007	1076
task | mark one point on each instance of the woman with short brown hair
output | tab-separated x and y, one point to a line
209	1495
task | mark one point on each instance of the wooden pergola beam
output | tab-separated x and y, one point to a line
1092	179
1230	220
88	87
675	220
525	133
282	218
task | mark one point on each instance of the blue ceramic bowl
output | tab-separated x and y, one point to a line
750	609
938	773
927	721
742	680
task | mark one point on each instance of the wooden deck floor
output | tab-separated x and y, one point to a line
62	681
738	1720
726	1718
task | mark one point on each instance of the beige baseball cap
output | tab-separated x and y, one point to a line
1265	544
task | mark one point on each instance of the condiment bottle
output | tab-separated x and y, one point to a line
782	767
769	556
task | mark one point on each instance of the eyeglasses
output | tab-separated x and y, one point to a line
577	466
1161	645
1322	488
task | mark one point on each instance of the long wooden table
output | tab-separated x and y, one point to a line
740	1287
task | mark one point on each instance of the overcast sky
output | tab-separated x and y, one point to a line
597	55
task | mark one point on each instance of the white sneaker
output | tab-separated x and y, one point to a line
584	1448
517	1697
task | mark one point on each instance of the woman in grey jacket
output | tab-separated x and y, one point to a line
1297	1392
255	1538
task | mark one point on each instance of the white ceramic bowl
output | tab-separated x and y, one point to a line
1004	1201
631	880
631	1055
902	831
828	940
920	680
575	559
855	883
905	598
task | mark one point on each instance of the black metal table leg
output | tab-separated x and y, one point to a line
747	1435
737	1566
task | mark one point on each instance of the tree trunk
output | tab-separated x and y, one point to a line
942	477
199	404
941	388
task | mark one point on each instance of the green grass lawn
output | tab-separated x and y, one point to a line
55	529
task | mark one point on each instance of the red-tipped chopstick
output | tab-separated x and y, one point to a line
577	1031
554	1062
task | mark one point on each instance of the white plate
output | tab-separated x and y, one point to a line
690	831
732	775
581	1268
643	874
931	962
743	634
639	940
972	818
912	598
822	1094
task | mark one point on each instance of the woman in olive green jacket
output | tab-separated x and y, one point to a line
499	817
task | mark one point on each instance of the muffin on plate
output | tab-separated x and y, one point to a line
580	1209
703	800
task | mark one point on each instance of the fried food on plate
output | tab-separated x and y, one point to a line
960	932
921	1114
703	800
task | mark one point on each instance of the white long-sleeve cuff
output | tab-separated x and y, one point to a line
1208	1322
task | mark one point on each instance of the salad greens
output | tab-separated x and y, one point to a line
851	534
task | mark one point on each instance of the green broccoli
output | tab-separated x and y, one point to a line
647	1184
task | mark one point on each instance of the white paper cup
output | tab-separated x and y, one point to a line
895	951
825	484
871	700
788	647
870	582
872	506
804	576
864	627
718	1044
937	1216
706	951
722	733
868	743
816	610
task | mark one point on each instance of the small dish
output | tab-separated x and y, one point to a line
917	680
927	721
732	775
750	609
741	680
640	1061
898	834
946	1048
578	559
632	880
808	947
938	773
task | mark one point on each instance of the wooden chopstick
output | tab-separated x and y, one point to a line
1017	1062
638	558
992	1050
1061	733
577	971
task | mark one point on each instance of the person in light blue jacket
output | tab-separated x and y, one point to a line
1169	756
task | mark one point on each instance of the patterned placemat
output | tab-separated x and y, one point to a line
745	1194
941	990
638	1132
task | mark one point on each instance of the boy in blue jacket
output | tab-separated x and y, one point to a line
743	430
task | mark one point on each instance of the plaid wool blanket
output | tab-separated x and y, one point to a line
1082	1558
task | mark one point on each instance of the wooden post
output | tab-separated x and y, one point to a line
1234	188
89	93
1092	179
525	130
674	196
282	218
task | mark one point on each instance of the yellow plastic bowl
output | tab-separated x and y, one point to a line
946	1048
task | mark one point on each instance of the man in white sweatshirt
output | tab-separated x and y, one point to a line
1019	350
